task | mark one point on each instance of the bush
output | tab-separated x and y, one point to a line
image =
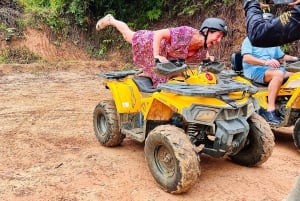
18	55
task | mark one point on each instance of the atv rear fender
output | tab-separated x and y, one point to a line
294	101
126	95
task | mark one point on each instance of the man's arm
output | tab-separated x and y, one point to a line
287	57
294	3
281	30
248	58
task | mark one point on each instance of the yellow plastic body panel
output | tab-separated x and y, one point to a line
290	88
161	105
126	95
293	81
294	101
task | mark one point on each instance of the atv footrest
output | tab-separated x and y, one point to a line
135	133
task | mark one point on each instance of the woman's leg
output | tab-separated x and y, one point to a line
121	26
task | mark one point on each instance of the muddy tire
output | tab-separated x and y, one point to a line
296	134
259	145
106	125
171	159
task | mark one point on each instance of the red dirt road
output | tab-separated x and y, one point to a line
49	150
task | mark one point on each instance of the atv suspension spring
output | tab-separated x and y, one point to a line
192	129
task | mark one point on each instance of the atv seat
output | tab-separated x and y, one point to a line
237	62
144	84
237	66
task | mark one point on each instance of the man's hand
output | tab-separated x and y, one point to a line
272	63
265	6
294	3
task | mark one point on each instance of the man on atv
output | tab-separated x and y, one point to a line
261	65
281	30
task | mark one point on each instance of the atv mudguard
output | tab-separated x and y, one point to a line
126	95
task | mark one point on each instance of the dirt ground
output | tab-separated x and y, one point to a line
49	150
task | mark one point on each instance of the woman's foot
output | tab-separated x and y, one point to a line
104	21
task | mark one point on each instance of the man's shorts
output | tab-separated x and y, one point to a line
259	73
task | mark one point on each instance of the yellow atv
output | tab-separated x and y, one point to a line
288	98
194	113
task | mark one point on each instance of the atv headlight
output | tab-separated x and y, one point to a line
206	115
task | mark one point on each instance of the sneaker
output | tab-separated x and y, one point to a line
104	21
270	116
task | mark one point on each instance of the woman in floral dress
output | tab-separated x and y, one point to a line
182	42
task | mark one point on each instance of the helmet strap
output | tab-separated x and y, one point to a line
205	38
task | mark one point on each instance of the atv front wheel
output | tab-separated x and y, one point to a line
171	159
296	134
106	124
259	145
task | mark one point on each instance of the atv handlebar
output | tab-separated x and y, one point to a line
212	66
175	67
171	68
120	74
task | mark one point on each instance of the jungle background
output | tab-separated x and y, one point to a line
73	21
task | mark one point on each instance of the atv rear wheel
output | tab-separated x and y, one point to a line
296	134
171	159
259	145
106	124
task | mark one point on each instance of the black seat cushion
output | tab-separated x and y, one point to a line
237	62
144	84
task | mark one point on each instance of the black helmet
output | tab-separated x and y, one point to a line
214	24
268	16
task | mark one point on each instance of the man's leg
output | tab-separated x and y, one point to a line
275	78
281	30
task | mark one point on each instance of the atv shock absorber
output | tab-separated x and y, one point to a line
197	137
192	129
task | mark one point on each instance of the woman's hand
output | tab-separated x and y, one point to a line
161	59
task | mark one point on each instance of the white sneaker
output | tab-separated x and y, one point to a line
104	21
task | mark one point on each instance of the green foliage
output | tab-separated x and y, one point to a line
9	33
103	48
190	10
77	11
57	5
18	55
286	48
9	27
153	14
35	3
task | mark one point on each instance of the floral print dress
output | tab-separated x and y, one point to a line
175	48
